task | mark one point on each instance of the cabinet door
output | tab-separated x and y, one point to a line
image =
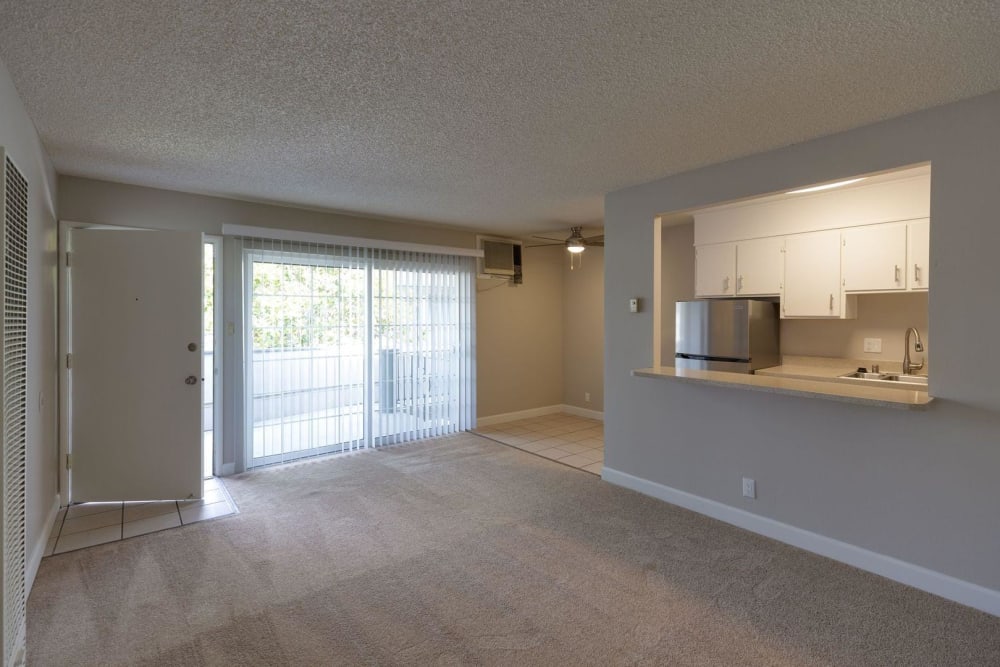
715	265
811	285
874	258
759	266
918	267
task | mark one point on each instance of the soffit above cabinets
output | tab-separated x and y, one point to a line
902	195
867	180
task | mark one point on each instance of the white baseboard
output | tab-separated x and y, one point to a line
520	414
583	412
227	469
539	412
931	581
38	548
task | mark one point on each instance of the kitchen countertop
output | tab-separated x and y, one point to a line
799	380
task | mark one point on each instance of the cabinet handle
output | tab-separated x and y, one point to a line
897	273
739	283
725	284
916	273
831	302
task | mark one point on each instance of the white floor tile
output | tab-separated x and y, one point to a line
85	509
138	511
194	513
88	538
553	453
574	448
151	524
91	521
595	468
576	461
210	497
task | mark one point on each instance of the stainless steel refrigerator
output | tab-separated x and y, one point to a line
737	335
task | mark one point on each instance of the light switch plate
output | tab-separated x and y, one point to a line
633	305
873	344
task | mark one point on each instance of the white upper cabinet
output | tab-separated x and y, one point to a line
759	266
918	267
812	275
874	258
715	270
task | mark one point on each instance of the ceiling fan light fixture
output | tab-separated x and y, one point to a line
575	245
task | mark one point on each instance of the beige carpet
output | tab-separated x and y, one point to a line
465	551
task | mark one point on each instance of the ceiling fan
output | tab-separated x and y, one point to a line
575	242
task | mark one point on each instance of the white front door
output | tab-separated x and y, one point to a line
135	304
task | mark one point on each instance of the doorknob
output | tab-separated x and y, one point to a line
193	347
191	379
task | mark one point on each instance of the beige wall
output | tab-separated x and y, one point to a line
885	316
19	139
583	330
103	202
520	344
519	337
676	281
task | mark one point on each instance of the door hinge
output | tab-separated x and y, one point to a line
69	462
69	360
68	256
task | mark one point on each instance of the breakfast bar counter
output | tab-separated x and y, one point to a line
795	381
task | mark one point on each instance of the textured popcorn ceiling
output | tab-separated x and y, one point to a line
509	116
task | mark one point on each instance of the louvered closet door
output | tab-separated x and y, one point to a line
135	341
14	378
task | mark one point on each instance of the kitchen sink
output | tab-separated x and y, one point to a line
887	377
907	379
857	375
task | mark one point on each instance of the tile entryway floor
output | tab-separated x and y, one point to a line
574	441
90	524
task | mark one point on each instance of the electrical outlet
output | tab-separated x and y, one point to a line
633	305
873	345
586	397
749	488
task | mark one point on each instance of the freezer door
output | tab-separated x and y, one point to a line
713	365
713	328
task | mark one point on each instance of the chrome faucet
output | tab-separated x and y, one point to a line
909	366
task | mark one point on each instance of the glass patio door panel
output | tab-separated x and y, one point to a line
421	346
307	326
347	348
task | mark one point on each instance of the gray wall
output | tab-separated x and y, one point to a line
19	139
918	486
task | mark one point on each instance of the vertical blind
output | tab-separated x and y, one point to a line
349	348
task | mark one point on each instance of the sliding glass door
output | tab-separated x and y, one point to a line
421	341
348	348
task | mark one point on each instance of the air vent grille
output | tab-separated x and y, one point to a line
14	409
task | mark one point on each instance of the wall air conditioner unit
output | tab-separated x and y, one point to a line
501	258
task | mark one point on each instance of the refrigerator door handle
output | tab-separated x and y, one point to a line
705	357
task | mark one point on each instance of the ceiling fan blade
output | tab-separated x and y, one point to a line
596	244
547	238
597	238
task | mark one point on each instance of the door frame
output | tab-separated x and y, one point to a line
218	369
